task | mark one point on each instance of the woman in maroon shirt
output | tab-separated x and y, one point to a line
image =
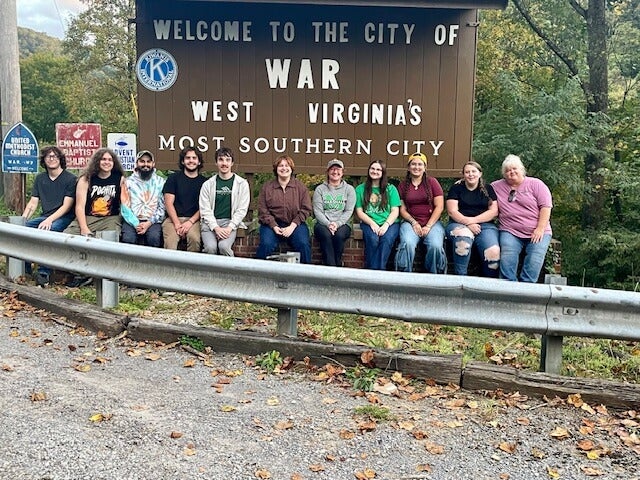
422	204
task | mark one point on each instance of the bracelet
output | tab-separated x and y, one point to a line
388	224
413	222
429	225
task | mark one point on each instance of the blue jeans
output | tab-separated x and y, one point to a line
510	249
152	237
487	243
435	260
299	241
57	225
332	246
377	249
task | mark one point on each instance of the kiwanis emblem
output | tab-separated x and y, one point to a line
157	70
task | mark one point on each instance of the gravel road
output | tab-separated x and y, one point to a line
74	406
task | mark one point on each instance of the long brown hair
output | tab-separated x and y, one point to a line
424	183
368	187
93	166
481	185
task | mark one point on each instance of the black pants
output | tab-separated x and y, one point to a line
332	246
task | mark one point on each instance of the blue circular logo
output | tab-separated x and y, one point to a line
157	70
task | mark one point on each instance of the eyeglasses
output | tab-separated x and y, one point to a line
512	196
52	155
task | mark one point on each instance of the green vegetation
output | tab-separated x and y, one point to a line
363	378
269	361
192	342
374	412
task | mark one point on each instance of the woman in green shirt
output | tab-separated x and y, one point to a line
377	207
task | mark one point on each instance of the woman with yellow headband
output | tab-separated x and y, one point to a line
422	204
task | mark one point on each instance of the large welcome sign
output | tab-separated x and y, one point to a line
314	81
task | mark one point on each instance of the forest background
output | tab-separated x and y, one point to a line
557	83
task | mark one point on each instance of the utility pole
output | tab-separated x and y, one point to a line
10	97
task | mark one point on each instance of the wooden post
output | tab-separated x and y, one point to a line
11	184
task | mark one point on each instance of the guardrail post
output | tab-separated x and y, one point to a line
107	291
551	351
287	317
15	266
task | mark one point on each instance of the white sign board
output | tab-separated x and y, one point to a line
124	144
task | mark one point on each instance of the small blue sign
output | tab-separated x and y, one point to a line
20	150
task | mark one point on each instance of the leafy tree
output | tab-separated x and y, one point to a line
45	90
101	44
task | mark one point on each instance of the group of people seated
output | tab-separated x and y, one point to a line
206	213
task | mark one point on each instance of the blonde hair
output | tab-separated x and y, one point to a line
513	161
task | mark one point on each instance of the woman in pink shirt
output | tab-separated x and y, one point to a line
524	210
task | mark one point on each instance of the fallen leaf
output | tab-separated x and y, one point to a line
575	400
387	389
100	417
85	367
523	421
434	448
591	471
176	434
153	356
262	474
537	453
38	397
297	476
346	434
367	358
586	445
284	425
7	368
190	362
367	426
366	474
419	434
228	408
316	467
273	401
424	467
507	447
593	454
553	472
406	425
560	433
489	351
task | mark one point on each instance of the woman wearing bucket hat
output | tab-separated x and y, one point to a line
377	207
422	204
333	203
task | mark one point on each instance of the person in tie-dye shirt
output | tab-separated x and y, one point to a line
146	203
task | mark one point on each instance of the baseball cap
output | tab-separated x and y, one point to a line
418	155
335	162
142	153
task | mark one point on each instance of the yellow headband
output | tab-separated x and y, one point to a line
419	155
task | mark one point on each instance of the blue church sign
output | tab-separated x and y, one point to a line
20	150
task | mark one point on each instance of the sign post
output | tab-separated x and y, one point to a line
124	144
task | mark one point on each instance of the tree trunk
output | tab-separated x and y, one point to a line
10	96
593	206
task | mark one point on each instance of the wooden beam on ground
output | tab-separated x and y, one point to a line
443	369
594	391
84	314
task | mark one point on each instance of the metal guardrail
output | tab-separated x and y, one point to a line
551	310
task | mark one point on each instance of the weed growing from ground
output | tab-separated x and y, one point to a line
192	342
270	361
363	378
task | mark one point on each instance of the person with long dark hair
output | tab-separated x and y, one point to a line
472	206
377	207
422	204
100	192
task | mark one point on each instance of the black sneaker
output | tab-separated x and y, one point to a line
42	279
79	281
